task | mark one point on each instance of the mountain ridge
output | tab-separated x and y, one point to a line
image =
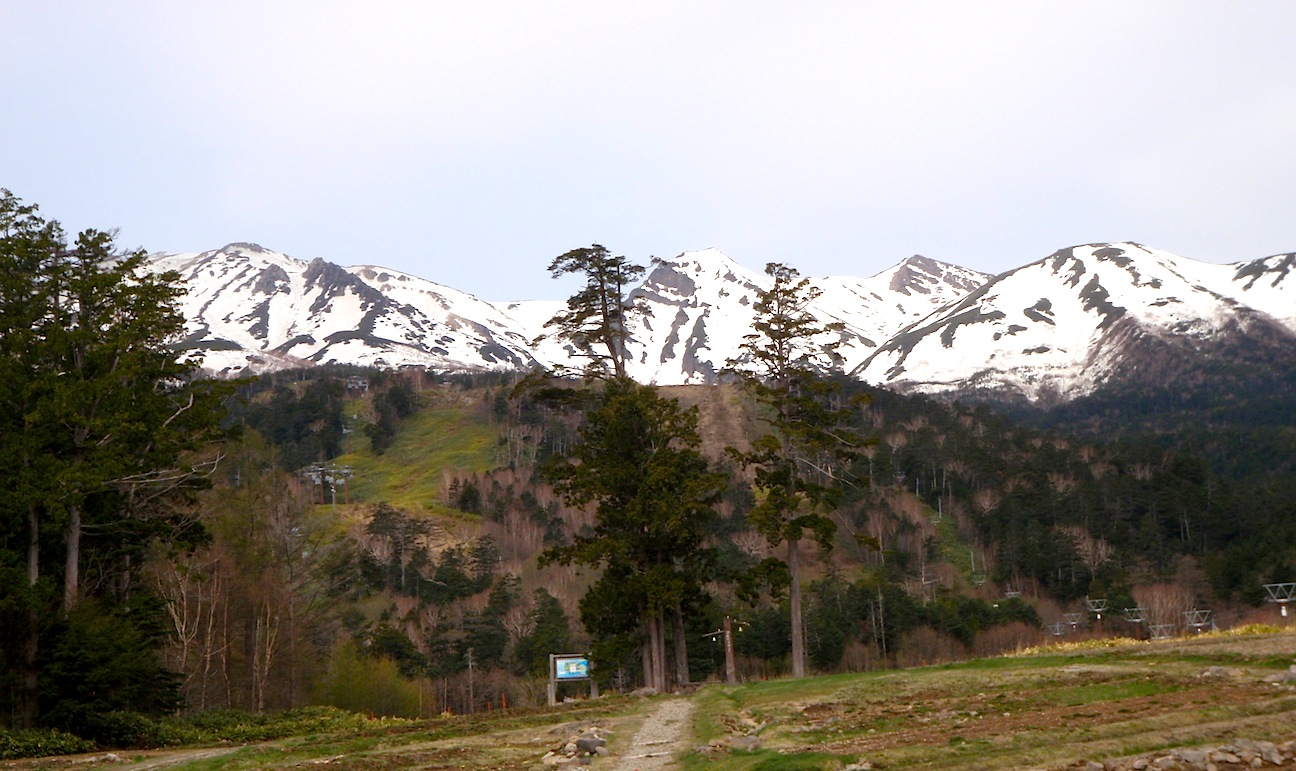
1049	331
1058	328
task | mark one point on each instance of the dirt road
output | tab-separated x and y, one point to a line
660	739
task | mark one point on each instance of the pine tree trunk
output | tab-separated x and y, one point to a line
657	644
31	645
794	601
33	544
681	647
646	651
72	567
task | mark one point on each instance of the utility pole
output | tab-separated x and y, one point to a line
471	707
724	635
731	668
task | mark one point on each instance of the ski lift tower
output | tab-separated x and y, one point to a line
327	478
1198	620
1096	607
1281	594
1074	619
1161	631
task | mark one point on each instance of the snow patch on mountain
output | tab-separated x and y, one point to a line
1057	328
690	315
875	308
252	309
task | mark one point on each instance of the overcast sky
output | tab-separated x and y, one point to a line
471	142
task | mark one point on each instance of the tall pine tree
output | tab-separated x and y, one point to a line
595	320
637	462
796	465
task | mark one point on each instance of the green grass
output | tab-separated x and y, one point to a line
1047	709
806	761
1080	695
409	473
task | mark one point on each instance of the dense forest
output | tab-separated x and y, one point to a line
412	542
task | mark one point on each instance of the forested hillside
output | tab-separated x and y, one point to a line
372	542
419	584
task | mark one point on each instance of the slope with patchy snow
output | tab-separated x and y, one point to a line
250	308
1057	328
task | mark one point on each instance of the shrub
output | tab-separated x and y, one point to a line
103	666
1007	638
237	726
40	743
367	685
131	730
925	645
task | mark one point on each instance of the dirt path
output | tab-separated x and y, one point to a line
122	760
660	739
175	758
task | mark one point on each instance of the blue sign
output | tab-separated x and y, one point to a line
571	668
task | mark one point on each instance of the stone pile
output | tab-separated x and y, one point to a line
579	749
1239	754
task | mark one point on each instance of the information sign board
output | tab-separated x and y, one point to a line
571	668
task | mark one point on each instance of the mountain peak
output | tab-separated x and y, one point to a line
919	261
1059	327
243	246
704	255
922	275
709	261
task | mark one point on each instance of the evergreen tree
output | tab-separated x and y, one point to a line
595	319
797	465
550	633
99	418
636	461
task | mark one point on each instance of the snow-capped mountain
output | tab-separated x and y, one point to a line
249	308
694	311
883	304
1058	328
1048	331
690	317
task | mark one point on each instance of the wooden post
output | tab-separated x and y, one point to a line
731	669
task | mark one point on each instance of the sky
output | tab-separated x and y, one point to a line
470	143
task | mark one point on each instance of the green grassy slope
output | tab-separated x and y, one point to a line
441	436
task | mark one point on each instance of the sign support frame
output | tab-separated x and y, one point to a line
566	668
